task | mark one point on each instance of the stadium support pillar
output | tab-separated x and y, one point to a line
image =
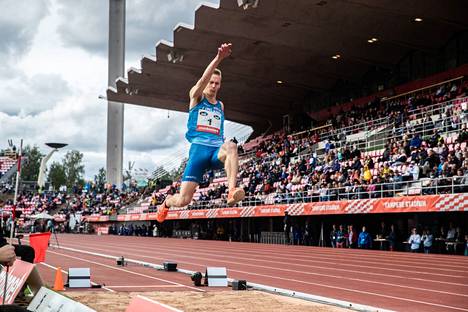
115	111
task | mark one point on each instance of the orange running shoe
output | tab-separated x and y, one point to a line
235	195
162	212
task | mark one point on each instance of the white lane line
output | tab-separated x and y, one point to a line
327	286
190	251
63	271
145	286
320	257
127	271
347	254
296	271
359	291
302	251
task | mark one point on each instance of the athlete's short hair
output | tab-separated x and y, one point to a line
217	72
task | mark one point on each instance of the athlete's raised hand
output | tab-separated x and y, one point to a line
224	50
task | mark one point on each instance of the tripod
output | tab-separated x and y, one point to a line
56	239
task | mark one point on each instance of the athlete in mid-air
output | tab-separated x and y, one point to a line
205	133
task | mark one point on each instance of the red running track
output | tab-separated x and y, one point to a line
389	280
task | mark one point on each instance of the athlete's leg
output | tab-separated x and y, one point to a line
182	199
187	189
228	155
196	164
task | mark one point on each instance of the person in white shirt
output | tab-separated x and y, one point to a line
414	170
451	232
427	239
414	240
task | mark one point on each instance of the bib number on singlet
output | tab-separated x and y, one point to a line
208	121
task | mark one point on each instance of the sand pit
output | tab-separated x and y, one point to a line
238	301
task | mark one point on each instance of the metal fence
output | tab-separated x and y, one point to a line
425	186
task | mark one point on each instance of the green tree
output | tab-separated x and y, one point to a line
100	178
30	171
74	168
57	175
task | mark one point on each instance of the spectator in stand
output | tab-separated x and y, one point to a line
364	239
427	239
324	193
414	240
415	141
414	171
463	136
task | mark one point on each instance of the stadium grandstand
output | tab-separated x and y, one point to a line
355	173
370	131
374	132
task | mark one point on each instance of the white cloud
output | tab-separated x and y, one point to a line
86	26
18	25
59	55
35	93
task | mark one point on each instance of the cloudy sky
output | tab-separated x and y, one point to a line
53	60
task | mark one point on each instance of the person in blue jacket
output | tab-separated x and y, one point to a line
364	239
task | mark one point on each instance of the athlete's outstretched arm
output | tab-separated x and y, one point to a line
197	90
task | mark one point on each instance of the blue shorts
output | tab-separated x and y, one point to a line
201	158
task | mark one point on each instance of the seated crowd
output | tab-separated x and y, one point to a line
430	149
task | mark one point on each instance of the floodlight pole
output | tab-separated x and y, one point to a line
115	110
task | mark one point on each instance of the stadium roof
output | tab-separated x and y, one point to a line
289	41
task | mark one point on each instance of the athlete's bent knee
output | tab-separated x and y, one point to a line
231	147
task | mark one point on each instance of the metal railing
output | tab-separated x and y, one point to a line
443	125
424	186
416	114
390	132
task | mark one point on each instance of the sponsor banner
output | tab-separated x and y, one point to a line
270	211
429	203
135	217
229	213
407	204
173	215
96	218
198	214
103	218
330	207
102	230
